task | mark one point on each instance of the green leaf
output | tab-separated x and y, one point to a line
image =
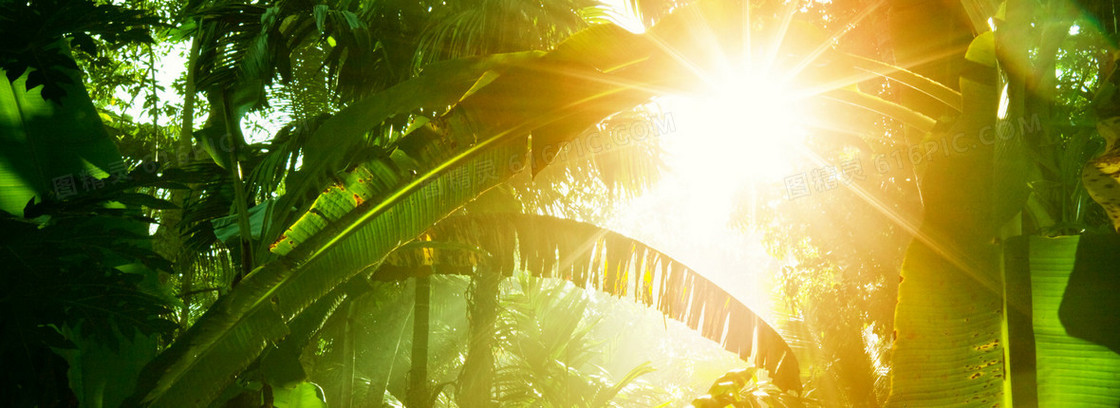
1093	294
1071	370
33	36
100	376
934	89
982	50
63	273
438	87
882	106
603	70
240	325
596	258
33	132
227	230
331	243
280	365
320	12
302	395
604	397
948	351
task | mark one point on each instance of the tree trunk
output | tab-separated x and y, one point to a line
167	239
418	393
349	353
476	379
241	199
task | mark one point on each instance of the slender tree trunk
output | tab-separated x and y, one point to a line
245	232
477	378
155	97
418	394
186	129
169	243
349	353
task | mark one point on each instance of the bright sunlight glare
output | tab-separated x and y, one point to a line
745	132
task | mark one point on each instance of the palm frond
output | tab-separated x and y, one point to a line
482	27
596	258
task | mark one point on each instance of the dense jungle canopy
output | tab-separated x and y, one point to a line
559	203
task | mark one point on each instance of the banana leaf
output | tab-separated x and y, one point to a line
302	395
597	258
50	150
1071	327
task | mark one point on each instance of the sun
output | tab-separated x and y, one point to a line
748	127
745	130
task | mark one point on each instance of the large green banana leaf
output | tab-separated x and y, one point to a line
440	85
256	313
969	335
1070	283
302	395
596	258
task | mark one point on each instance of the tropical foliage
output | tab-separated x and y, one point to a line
293	203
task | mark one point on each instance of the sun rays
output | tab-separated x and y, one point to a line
747	127
756	105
